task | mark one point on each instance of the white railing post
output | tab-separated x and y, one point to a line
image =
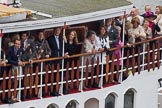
123	38
41	81
101	80
122	67
143	56
19	78
82	69
62	78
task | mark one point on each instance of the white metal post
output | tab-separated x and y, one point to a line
143	56
122	66
101	81
20	78
81	82
41	81
62	75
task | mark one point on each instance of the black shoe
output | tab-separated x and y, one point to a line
65	92
95	85
10	101
29	97
69	87
55	94
23	98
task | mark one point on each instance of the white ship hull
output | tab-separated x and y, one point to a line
145	86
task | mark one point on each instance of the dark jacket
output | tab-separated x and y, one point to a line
29	52
113	36
12	57
42	48
55	51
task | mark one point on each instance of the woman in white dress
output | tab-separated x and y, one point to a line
103	43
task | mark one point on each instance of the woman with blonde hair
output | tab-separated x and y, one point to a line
71	43
136	34
147	29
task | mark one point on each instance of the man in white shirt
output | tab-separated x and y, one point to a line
134	13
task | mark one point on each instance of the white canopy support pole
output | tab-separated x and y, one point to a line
1	35
0	45
63	49
123	37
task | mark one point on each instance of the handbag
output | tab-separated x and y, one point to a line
157	28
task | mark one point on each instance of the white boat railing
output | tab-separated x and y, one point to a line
81	72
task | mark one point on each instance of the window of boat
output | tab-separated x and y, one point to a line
110	101
52	106
71	104
92	103
129	99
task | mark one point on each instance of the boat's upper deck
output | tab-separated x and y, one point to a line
43	79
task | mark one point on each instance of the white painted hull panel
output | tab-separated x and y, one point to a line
145	84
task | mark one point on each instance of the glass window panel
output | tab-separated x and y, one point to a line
110	101
71	104
129	99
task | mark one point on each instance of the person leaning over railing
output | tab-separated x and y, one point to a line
117	53
112	32
28	54
55	42
150	26
89	46
42	47
148	32
113	39
103	44
136	34
42	51
13	57
71	42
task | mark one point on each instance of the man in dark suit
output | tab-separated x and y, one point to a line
56	44
112	32
13	57
113	38
28	54
28	48
14	54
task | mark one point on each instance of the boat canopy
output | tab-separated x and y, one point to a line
11	14
9	11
